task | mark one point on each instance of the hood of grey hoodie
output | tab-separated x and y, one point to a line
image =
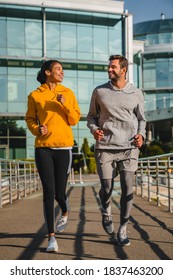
128	89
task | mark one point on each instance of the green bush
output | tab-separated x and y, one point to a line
155	150
91	165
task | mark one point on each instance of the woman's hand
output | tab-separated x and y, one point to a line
61	98
43	130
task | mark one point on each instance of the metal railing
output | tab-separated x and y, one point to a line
154	179
17	180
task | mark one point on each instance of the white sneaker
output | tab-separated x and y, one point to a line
61	224
52	245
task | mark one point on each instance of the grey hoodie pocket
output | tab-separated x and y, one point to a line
118	133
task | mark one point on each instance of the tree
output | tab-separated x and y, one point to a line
85	147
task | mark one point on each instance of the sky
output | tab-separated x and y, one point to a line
144	10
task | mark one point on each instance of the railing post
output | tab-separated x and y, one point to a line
169	184
148	171
10	181
142	177
18	180
10	184
25	182
80	175
0	187
72	181
30	180
157	181
35	179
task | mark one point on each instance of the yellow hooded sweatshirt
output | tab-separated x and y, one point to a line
43	108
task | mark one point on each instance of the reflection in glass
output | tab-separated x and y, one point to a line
68	40
170	72
162	72
3	88
16	107
164	38
15	29
100	44
3	37
33	31
16	89
149	74
70	83
115	39
84	42
13	138
52	38
85	88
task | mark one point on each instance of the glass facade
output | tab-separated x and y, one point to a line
81	40
157	74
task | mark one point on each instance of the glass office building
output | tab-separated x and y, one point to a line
81	35
157	75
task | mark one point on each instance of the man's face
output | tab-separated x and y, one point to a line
114	70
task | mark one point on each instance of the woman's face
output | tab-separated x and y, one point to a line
56	74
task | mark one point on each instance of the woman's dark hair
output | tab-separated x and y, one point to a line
122	60
47	65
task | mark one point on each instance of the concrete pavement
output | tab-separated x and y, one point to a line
23	231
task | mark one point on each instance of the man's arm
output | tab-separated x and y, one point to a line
92	117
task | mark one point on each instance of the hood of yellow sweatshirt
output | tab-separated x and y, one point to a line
44	87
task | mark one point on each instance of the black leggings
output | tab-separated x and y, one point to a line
53	167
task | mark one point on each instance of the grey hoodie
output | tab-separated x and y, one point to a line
119	113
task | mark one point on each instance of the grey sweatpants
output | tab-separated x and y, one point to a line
109	163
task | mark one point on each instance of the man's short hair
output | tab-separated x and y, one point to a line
122	60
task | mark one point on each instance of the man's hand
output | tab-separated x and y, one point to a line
138	140
98	134
43	129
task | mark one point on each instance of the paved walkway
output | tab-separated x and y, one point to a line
23	232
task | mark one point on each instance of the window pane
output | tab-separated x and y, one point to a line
15	37
170	72
84	108
16	89
3	88
68	41
70	83
17	107
162	72
85	88
84	45
164	38
150	102
3	107
3	37
31	82
100	45
152	39
115	39
149	74
52	39
33	29
100	78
